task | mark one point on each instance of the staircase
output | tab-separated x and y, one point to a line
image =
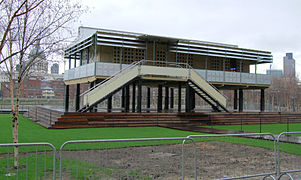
98	119
208	92
138	70
183	121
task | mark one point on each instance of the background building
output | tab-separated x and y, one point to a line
289	65
38	87
55	68
40	64
275	73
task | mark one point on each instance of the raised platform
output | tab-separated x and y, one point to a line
54	118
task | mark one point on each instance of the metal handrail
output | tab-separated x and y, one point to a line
136	63
144	61
190	68
111	77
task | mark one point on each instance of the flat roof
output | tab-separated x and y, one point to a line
88	36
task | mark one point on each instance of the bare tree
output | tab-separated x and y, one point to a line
25	23
284	94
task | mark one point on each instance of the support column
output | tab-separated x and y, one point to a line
69	62
166	101
171	98
187	98
134	98
179	97
109	107
262	103
159	105
77	97
148	99
235	100
66	98
192	98
241	101
127	98
91	86
139	98
123	99
75	60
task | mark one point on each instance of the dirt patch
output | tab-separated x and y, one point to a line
215	159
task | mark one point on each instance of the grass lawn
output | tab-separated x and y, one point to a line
31	132
265	128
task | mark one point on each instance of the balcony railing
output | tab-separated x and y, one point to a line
108	69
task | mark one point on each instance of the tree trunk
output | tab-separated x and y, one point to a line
15	139
15	118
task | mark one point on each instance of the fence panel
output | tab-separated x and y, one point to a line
289	151
149	158
34	161
233	156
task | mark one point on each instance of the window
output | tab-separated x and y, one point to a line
185	58
129	55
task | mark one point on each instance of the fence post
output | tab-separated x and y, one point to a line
259	122
49	118
287	125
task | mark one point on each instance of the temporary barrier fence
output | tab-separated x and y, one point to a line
144	159
33	161
123	158
244	161
288	140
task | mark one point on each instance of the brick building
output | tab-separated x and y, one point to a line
38	87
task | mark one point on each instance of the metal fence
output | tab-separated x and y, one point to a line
34	161
289	166
222	156
223	152
147	158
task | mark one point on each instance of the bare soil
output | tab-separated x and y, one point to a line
215	160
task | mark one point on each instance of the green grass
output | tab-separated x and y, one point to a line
31	132
265	128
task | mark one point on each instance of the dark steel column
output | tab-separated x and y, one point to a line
192	101
69	62
262	103
187	98
166	101
134	98
179	96
159	105
66	98
148	99
241	100
123	99
127	98
235	100
139	98
171	98
77	97
109	108
91	86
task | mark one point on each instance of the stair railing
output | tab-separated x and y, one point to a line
143	62
189	76
132	65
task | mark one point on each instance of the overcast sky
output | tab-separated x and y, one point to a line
272	25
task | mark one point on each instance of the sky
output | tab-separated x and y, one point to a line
271	25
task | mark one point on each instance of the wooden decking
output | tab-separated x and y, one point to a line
85	120
50	118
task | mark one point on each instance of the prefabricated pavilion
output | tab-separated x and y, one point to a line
112	61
